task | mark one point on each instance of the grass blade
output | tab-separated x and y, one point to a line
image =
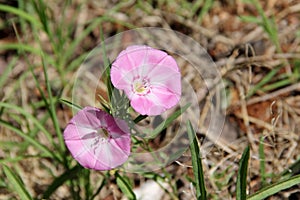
196	162
20	13
139	118
70	49
293	169
20	47
107	66
71	104
52	111
168	121
67	175
262	167
35	121
40	8
16	183
5	74
264	81
98	189
242	175
31	140
274	188
20	158
204	10
251	19
268	23
125	187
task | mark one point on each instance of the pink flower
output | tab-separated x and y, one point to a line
150	78
97	140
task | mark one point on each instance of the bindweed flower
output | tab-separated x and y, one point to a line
97	140
149	77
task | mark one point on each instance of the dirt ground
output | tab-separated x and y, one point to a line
244	53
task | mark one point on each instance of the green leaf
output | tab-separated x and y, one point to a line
19	158
71	104
168	121
31	140
196	162
293	169
262	167
278	84
251	19
265	80
98	189
204	10
67	175
274	188
20	47
268	24
36	122
125	187
70	48
40	9
5	74
107	66
139	118
16	183
20	13
242	175
52	108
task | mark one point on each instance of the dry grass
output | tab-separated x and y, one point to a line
242	51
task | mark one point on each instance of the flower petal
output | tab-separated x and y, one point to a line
153	68
163	96
146	106
131	57
166	77
109	155
121	79
88	145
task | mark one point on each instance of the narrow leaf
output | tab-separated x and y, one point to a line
252	19
30	117
265	80
242	175
31	140
67	175
20	13
52	108
70	49
274	188
196	162
99	189
20	47
139	118
71	104
293	169
16	183
262	161
168	121
125	187
5	74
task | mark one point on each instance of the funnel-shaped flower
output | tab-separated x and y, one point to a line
150	78
97	140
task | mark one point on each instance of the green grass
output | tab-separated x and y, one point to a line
241	185
268	23
197	164
17	183
29	121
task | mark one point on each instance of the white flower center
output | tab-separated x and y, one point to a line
102	135
141	86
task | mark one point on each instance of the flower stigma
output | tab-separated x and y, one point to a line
141	86
103	135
